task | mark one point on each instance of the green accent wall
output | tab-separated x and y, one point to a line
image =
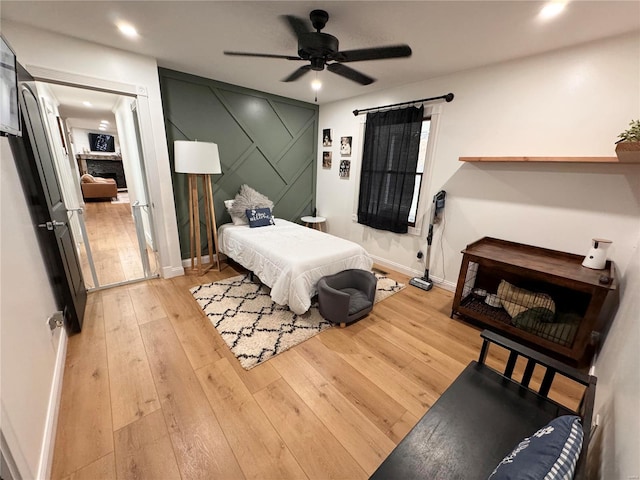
266	141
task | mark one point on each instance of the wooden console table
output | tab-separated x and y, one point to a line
578	293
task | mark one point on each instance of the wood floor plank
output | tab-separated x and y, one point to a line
358	435
376	405
114	244
104	469
429	376
403	390
356	391
133	393
316	449
402	427
146	303
196	334
144	451
415	322
371	341
419	349
201	449
84	432
251	436
255	379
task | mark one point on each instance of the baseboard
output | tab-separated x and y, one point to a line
438	281
170	272
186	262
51	422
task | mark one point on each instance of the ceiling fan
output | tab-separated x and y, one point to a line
321	50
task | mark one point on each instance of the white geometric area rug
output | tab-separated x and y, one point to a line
254	327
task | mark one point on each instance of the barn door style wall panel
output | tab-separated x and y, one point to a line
266	141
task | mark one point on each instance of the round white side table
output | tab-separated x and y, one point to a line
313	222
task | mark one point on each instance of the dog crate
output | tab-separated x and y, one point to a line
542	297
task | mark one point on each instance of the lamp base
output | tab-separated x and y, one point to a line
198	265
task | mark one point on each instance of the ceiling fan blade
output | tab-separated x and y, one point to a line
350	73
263	55
298	73
297	25
375	53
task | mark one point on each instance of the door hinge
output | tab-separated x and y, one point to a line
56	320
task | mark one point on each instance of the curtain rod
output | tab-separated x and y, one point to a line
448	97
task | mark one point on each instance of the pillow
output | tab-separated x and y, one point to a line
259	217
86	178
248	199
235	219
550	454
516	300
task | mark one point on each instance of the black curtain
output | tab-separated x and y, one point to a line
389	162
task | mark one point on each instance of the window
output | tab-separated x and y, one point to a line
389	160
422	156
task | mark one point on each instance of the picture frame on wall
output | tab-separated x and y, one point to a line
345	167
326	159
326	137
345	146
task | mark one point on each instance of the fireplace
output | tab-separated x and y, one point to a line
107	169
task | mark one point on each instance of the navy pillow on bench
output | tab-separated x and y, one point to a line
550	454
259	217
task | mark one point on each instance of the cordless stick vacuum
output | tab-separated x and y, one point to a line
438	205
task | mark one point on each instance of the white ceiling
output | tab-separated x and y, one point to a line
77	114
446	36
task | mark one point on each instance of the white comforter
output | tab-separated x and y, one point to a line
290	258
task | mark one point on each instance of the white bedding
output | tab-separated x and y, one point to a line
290	258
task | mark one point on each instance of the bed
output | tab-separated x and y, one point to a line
290	258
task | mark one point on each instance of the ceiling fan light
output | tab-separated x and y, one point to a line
316	84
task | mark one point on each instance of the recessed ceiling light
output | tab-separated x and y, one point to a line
87	104
128	30
102	128
104	122
552	9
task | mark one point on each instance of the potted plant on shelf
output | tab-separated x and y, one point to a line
628	147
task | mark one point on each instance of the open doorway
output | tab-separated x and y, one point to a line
95	139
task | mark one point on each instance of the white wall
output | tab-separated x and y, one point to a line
572	102
27	348
618	390
80	138
66	54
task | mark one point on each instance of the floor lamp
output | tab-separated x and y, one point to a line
199	160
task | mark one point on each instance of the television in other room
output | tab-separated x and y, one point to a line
9	109
99	142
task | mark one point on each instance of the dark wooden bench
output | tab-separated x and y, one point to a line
483	415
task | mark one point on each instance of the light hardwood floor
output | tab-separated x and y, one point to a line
114	244
151	390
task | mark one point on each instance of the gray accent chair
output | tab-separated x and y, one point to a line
346	296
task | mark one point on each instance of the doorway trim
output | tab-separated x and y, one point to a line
163	235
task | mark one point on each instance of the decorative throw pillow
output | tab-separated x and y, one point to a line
516	300
246	199
550	454
242	220
259	217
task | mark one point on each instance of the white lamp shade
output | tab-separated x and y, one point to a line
196	157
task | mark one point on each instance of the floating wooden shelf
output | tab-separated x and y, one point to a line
544	159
